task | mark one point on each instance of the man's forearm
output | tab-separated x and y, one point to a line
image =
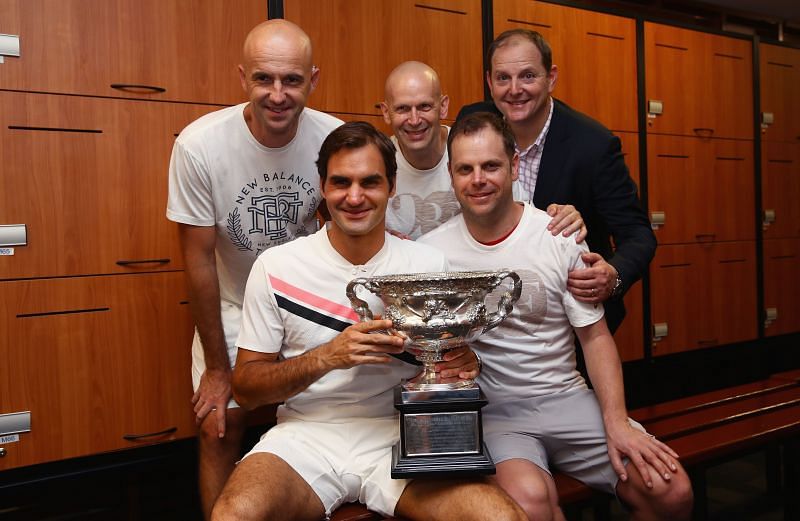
605	371
258	382
205	305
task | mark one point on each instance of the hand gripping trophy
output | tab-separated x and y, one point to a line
440	422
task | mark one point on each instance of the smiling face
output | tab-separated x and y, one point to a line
357	191
520	84
414	107
278	75
482	176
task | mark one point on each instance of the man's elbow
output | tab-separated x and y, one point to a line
243	395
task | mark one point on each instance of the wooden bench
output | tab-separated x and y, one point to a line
704	429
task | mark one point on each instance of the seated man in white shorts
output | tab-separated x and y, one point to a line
301	344
540	411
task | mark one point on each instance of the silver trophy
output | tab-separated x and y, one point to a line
440	422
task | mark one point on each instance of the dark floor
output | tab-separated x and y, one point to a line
161	487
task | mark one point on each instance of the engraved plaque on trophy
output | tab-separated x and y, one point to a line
440	422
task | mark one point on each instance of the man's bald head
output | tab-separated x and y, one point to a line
412	74
278	33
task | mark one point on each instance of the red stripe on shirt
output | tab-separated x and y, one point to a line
312	299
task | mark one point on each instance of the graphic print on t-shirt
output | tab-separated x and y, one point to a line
415	215
271	210
532	305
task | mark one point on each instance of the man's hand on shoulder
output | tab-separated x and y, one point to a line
566	220
399	235
594	284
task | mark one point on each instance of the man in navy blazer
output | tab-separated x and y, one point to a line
568	158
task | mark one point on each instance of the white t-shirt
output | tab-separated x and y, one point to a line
423	199
532	352
296	301
256	197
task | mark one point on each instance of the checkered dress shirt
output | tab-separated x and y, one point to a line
529	160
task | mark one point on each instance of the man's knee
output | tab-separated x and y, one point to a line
235	507
675	499
669	500
533	497
536	502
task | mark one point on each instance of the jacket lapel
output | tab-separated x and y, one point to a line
554	155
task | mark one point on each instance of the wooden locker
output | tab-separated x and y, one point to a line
781	286
780	189
779	72
703	82
445	34
676	281
88	177
151	49
95	359
703	187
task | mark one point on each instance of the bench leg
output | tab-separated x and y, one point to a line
772	464
791	474
601	506
699	487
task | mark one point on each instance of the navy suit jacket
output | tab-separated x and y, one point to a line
582	165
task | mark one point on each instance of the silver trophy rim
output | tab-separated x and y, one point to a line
435	276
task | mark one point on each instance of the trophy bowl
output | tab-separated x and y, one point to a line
436	312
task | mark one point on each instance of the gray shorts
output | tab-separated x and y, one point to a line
341	462
564	430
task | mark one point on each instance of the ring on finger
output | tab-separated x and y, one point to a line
594	292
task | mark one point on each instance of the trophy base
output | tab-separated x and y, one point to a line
440	466
440	434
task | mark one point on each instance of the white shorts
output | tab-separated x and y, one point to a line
232	321
341	462
562	429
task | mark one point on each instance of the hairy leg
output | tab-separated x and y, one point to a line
264	486
457	499
217	456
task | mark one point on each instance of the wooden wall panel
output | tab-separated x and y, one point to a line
94	359
730	300
89	178
704	186
781	285
382	34
705	293
780	188
630	335
779	71
675	289
595	54
190	49
704	82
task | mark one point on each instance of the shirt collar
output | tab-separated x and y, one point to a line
542	135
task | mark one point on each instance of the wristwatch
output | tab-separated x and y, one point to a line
617	290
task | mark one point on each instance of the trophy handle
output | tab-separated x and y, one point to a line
507	301
359	306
